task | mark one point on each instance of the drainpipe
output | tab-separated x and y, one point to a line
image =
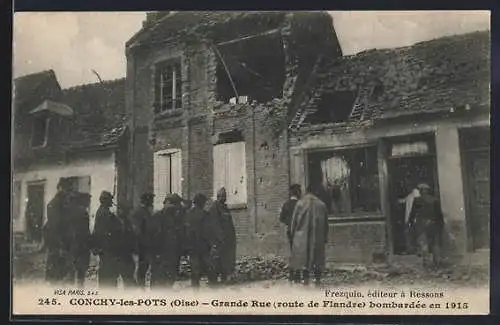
256	221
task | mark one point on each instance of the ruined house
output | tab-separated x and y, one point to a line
208	94
256	101
76	133
378	123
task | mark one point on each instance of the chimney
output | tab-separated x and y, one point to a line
152	17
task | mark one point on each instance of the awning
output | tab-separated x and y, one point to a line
55	107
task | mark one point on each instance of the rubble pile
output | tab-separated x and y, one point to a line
256	268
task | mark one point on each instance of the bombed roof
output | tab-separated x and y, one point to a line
36	87
160	27
434	75
99	113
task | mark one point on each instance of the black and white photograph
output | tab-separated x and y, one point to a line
251	162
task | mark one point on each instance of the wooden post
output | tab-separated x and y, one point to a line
383	177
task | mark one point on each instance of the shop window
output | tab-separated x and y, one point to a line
348	180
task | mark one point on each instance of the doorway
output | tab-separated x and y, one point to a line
405	173
35	211
475	145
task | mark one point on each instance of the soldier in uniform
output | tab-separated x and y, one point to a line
196	244
56	239
111	240
138	220
226	250
80	236
286	214
162	241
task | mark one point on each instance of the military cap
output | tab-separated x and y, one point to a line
105	196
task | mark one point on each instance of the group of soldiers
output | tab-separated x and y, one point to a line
129	243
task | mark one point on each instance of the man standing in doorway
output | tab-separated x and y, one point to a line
286	214
428	224
410	240
138	220
309	230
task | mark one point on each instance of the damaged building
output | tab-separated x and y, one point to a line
378	123
78	133
208	93
256	101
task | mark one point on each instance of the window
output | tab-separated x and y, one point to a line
167	175
79	183
348	179
16	199
168	86
230	171
40	131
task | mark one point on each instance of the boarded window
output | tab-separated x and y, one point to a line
167	175
230	171
348	179
79	183
40	131
168	86
16	199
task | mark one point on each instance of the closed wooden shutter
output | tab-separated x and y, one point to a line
220	167
176	172
230	171
167	175
297	167
84	184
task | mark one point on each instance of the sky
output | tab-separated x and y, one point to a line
75	43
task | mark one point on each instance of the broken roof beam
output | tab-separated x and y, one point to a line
270	32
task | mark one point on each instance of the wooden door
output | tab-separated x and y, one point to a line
478	193
35	211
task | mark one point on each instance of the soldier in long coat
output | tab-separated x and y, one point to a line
111	240
286	214
226	251
56	239
309	236
80	236
138	219
162	243
429	223
198	239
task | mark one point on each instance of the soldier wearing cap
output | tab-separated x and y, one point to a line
138	219
224	255
112	243
428	218
56	239
162	242
80	236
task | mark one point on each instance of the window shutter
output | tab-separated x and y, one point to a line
176	168
297	167
237	189
84	184
220	168
161	178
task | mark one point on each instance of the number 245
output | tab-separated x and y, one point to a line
47	301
